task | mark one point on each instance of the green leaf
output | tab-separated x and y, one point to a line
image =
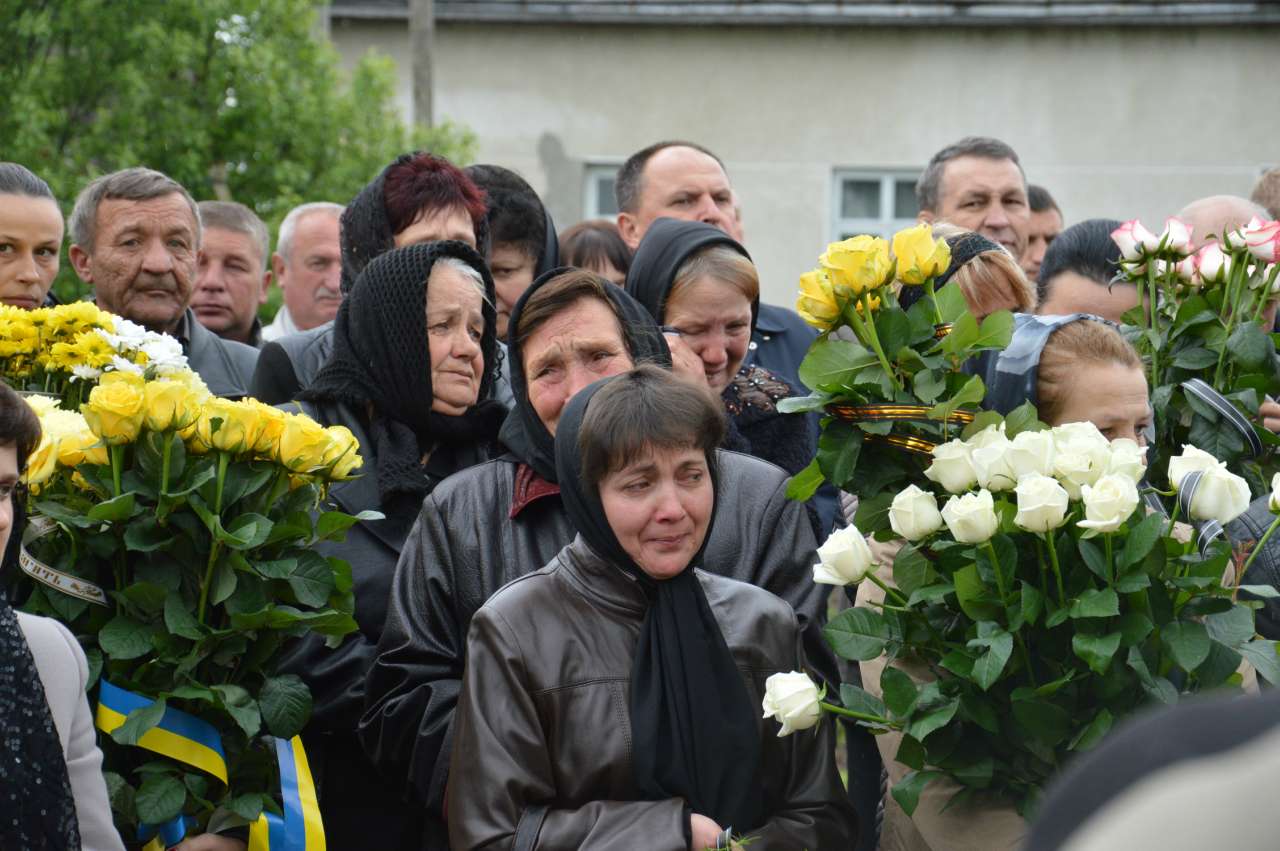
1233	627
970	394
873	513
907	791
286	705
148	597
1032	603
246	532
1095	603
1158	688
1135	581
1092	734
930	594
179	620
838	449
1096	650
333	525
113	510
159	798
928	384
899	691
1134	627
805	483
977	774
804	404
857	634
979	711
990	665
1093	558
145	535
973	596
1249	346
910	753
1022	418
910	569
1196	357
224	582
931	720
1187	642
312	581
860	700
63	514
1221	664
996	331
1047	722
138	722
280	568
241	707
1266	592
125	638
964	331
831	364
1141	538
248	807
1261	654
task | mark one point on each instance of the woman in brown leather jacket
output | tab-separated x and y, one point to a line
612	699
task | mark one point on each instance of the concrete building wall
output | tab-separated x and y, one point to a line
1115	122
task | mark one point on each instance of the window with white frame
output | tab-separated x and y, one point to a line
598	201
878	202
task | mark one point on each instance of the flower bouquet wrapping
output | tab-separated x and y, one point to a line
1032	602
1210	360
173	533
885	376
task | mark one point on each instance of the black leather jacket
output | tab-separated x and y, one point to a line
466	545
543	753
288	364
1249	528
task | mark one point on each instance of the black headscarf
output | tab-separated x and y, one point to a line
366	229
381	357
964	247
503	186
37	808
693	724
523	432
667	244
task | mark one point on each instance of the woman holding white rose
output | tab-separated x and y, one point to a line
612	698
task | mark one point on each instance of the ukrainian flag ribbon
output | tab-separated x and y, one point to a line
178	735
301	828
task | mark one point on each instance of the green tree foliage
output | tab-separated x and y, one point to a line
237	100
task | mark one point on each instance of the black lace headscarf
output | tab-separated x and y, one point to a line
366	229
523	433
667	244
693	724
381	358
964	247
37	808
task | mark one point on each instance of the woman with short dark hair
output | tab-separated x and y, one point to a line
612	699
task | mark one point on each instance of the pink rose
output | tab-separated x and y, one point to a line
1186	271
1239	238
1212	263
1264	241
1134	239
1176	236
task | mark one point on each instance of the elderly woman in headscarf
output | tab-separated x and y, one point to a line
495	522
700	285
612	698
410	375
418	198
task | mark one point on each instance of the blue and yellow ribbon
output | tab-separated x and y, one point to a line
178	735
301	828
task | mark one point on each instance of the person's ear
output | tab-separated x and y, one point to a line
629	230
927	216
277	268
80	262
266	285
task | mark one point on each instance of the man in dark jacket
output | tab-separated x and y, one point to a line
135	238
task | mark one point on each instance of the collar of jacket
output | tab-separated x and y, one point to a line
604	584
529	488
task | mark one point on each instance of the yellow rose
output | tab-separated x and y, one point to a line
82	447
271	422
818	304
858	264
170	405
342	456
228	426
116	408
872	300
302	445
42	462
919	255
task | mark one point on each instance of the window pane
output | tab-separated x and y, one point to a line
606	205
860	199
904	200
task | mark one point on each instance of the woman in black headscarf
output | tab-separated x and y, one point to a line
702	288
612	698
500	520
410	375
52	794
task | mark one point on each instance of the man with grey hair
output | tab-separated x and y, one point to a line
978	184
308	267
231	275
135	237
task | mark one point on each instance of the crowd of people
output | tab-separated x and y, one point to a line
586	565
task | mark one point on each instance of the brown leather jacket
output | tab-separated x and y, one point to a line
541	755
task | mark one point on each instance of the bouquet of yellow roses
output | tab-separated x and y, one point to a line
174	533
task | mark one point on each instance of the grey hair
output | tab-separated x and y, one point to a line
468	271
284	240
130	184
237	218
929	186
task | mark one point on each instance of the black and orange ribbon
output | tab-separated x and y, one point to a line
882	412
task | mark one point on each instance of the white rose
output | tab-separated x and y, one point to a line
791	699
1221	496
1108	503
1275	492
952	467
845	558
1176	236
1190	461
1127	459
1212	263
1042	503
1133	239
971	518
991	466
1081	455
1031	452
914	514
992	435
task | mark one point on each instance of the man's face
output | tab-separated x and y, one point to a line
680	183
512	269
1071	292
230	283
143	262
1045	227
311	276
985	195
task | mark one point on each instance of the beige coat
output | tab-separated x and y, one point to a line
64	673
